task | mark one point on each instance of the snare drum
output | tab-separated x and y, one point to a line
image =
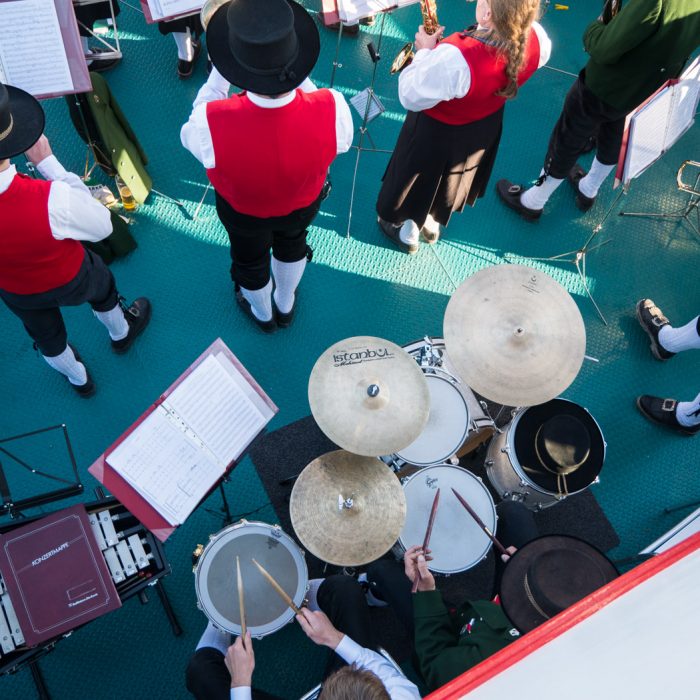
215	577
512	465
457	543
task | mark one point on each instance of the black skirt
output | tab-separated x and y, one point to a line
438	168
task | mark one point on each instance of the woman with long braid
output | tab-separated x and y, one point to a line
455	91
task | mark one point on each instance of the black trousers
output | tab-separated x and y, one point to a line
252	238
516	527
583	115
41	313
340	597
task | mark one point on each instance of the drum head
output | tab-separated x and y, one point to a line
215	577
525	429
457	542
447	427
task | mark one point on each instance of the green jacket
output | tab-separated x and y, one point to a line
645	44
447	645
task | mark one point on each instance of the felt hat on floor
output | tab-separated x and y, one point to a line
266	47
21	121
549	574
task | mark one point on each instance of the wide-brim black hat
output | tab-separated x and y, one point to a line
258	46
21	121
549	574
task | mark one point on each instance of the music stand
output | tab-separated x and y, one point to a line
115	51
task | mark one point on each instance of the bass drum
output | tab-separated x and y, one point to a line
516	473
216	584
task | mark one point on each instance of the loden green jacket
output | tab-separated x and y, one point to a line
647	43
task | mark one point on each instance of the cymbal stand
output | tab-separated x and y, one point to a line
375	56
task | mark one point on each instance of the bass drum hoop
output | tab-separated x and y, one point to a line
222	538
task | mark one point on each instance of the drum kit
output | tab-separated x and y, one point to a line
402	417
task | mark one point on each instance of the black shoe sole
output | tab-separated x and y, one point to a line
513	202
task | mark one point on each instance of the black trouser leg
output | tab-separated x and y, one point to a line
390	581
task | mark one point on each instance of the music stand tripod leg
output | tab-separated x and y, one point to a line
168	608
38	677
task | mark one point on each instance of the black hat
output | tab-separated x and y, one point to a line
265	46
548	575
21	121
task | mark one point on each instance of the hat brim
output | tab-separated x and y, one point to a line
513	597
27	123
229	67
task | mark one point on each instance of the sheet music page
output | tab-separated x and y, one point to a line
169	8
31	47
686	94
352	10
215	407
169	470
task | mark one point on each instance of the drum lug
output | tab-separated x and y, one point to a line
488	463
522	483
506	495
505	449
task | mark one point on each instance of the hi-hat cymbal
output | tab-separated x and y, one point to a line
515	335
346	509
369	396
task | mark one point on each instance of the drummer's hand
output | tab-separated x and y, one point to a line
39	151
510	551
424	40
414	561
319	628
240	662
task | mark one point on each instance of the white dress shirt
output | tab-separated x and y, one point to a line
195	134
73	211
397	685
442	74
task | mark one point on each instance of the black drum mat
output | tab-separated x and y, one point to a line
282	454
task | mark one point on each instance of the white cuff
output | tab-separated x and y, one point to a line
241	693
348	649
50	168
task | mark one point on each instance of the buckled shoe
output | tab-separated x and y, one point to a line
652	320
576	174
510	196
137	316
663	412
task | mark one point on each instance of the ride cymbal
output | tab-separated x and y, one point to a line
369	396
515	335
346	509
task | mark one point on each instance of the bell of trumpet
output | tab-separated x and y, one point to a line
208	10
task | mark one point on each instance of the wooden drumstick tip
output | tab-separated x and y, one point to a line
280	591
241	601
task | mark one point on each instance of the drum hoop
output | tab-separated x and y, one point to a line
488	544
513	457
221	538
465	432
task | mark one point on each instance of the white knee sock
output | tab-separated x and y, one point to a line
185	50
287	277
115	322
590	184
214	638
260	301
683	338
431	225
536	197
409	233
67	364
688	412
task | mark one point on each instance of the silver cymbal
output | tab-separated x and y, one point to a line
514	335
346	509
369	396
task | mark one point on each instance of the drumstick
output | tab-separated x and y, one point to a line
480	523
278	588
241	603
426	539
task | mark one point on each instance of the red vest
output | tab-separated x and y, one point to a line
488	75
272	161
32	260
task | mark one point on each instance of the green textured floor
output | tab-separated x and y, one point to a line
356	286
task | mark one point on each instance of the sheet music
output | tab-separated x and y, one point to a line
169	470
170	8
685	103
32	54
352	10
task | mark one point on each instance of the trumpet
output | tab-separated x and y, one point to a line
428	8
208	10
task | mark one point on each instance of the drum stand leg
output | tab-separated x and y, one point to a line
41	688
228	518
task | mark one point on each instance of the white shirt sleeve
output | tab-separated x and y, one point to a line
195	134
344	128
434	76
73	211
545	43
398	686
241	693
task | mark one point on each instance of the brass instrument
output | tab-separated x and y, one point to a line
208	10
428	8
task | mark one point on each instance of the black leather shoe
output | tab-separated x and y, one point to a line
652	320
137	316
350	29
186	68
285	320
574	177
663	412
510	196
265	326
85	391
391	231
100	60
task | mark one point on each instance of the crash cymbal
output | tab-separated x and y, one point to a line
515	335
369	396
346	509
